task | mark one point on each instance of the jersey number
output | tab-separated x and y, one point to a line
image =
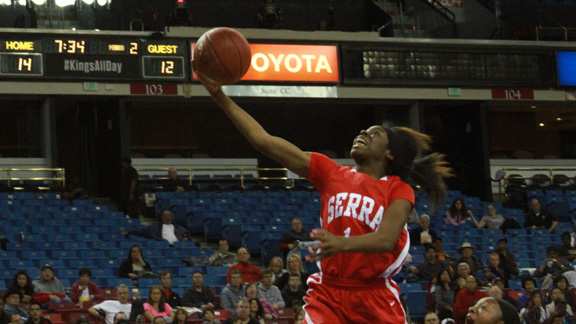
347	232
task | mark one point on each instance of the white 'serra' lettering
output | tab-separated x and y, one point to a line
356	206
93	66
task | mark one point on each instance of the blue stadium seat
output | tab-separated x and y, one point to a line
416	303
114	282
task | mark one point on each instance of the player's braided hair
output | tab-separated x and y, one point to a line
429	171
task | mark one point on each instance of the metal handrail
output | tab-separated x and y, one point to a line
61	174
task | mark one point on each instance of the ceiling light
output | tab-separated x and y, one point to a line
22	2
64	3
102	2
5	2
533	107
559	118
39	2
541	124
88	2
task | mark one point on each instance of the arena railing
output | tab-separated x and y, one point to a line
14	177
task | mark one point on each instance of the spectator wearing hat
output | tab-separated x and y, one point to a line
12	305
422	234
489	310
431	265
48	288
466	297
552	267
477	267
506	257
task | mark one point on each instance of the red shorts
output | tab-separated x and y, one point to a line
335	301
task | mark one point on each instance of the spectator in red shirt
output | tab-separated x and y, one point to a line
250	273
466	298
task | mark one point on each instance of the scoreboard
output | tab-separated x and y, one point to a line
93	58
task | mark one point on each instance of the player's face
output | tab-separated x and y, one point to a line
371	143
486	311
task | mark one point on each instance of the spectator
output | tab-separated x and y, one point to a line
181	316
269	292
252	292
556	296
256	311
233	292
111	307
198	295
496	292
14	319
129	189
294	266
490	221
250	273
534	312
290	238
134	266
466	297
36	317
165	230
12	306
23	285
276	265
567	250
445	295
156	305
242	314
120	316
422	234
457	214
85	290
222	256
552	267
74	190
477	267
438	244
431	318
173	183
562	283
496	270
159	320
489	311
209	317
506	257
463	270
172	297
529	286
430	267
48	288
293	295
538	218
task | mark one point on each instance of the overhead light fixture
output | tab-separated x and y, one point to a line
102	2
64	3
22	2
88	2
541	124
5	2
39	2
533	107
559	118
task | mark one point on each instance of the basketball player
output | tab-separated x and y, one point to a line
364	239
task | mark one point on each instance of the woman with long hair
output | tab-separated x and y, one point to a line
534	312
134	265
252	292
364	239
180	317
293	266
276	265
256	311
561	283
457	214
156	305
23	285
444	295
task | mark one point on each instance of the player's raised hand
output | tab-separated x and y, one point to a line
211	85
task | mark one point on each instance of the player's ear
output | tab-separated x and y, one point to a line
389	155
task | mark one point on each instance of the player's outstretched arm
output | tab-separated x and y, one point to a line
381	241
282	151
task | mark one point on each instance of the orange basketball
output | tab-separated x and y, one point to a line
223	54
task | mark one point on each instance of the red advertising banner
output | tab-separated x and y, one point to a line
513	94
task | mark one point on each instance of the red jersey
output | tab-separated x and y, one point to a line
353	204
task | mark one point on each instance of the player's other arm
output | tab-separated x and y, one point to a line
381	241
282	151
